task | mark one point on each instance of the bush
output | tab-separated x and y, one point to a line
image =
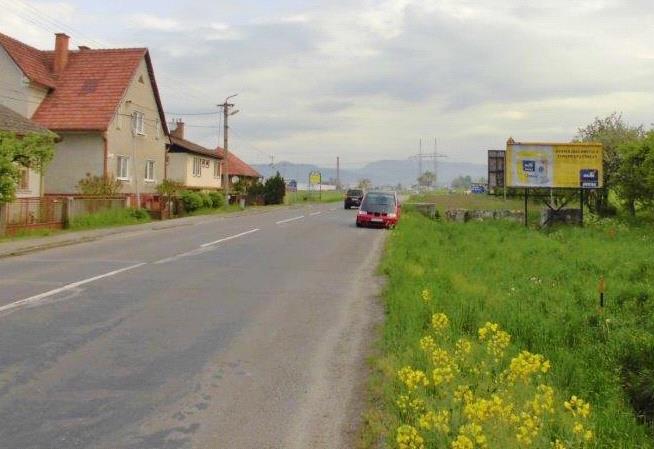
109	217
139	214
207	202
218	199
191	200
99	185
274	190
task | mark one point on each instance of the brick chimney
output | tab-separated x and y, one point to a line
61	52
179	130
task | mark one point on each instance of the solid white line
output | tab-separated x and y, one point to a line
230	238
290	219
39	297
313	214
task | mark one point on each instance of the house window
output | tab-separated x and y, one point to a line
24	180
122	165
197	166
138	123
217	169
149	171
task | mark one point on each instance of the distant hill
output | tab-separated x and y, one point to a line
385	172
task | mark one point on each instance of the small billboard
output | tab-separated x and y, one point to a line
554	165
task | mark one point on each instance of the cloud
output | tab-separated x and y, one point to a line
365	79
154	23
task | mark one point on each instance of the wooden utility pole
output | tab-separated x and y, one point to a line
226	113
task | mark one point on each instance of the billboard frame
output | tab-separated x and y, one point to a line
574	190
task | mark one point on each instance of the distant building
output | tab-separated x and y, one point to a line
191	164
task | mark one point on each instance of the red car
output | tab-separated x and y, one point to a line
381	209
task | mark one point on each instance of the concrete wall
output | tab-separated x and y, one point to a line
76	155
122	141
180	168
24	97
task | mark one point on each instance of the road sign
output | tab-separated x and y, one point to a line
315	178
554	165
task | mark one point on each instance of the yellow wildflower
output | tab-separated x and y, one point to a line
578	407
543	400
526	364
475	434
440	357
462	442
427	343
463	346
495	338
463	394
409	438
412	378
426	296
439	422
406	404
485	409
443	374
558	445
528	429
439	322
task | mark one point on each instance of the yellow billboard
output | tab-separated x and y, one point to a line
554	165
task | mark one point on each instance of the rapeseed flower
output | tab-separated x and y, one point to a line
427	343
412	378
408	405
463	394
440	323
438	421
495	338
409	438
426	296
526	364
528	428
577	406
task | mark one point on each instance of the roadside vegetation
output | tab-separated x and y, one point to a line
109	218
495	337
305	196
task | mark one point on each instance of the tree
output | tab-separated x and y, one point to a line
365	184
634	178
427	179
274	190
611	131
462	182
33	151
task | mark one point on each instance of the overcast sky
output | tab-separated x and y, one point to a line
365	80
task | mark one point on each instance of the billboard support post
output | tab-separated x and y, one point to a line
581	205
526	207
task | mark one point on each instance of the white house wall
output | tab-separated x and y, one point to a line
75	155
16	91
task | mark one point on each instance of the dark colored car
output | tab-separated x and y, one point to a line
380	209
353	198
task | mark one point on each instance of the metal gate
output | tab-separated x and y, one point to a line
34	213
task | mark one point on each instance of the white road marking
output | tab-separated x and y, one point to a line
290	219
313	214
37	298
230	237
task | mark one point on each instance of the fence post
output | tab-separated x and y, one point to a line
3	218
67	210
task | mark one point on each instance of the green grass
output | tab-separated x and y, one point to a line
543	289
30	234
109	218
303	196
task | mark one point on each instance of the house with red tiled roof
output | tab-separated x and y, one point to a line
30	182
237	167
104	105
196	167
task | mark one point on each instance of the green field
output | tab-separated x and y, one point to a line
304	196
542	288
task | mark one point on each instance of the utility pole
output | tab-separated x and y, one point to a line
338	173
420	159
226	114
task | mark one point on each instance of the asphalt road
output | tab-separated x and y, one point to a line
244	332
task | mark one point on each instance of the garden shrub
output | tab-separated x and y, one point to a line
191	200
217	199
207	202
